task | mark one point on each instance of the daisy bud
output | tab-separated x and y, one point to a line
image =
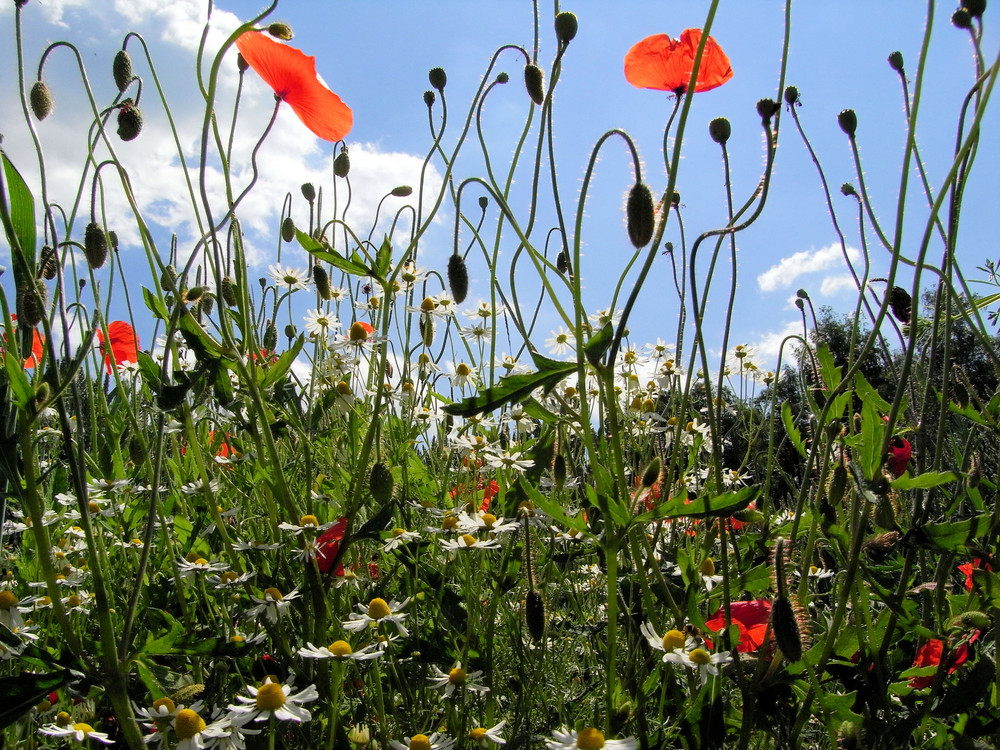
95	245
168	279
458	278
322	281
848	189
896	61
976	8
962	19
652	473
228	290
31	299
280	31
901	304
241	63
566	27
121	69
848	121
288	229
270	341
342	164
767	108
309	191
41	100
47	263
402	191
534	615
534	82
791	95
429	98
129	121
720	130
641	215
438	78
380	483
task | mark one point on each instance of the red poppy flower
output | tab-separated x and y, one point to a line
37	347
968	567
292	75
900	453
665	64
750	617
929	655
328	545
123	341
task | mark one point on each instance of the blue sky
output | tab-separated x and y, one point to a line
376	57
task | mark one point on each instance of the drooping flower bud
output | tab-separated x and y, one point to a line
402	191
280	31
562	262
241	63
961	19
47	263
194	294
41	100
652	473
896	61
381	483
848	121
438	78
322	281
129	121
566	27
640	215
900	303
31	300
168	279
502	78
342	164
534	82
95	245
427	328
458	278
308	191
791	95
288	229
227	290
534	615
291	332
848	189
121	68
483	202
720	130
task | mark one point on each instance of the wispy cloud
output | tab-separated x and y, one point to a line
767	347
788	270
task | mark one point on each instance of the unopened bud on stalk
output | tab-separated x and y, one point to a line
42	395
566	27
290	332
342	164
426	324
113	239
168	279
402	191
429	98
47	263
975	476
534	82
381	483
848	189
207	304
848	121
194	293
559	471
896	61
129	121
308	191
901	304
270	341
962	19
976	8
322	281
767	108
640	215
720	130
241	63
534	615
502	78
791	95
31	301
280	31
121	69
484	202
95	245
458	278
41	100
562	262
438	78
652	473
227	290
288	229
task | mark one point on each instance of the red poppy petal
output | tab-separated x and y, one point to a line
664	64
328	545
292	75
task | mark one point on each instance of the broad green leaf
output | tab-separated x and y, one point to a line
348	265
867	393
955	535
791	430
872	432
924	481
552	508
703	507
20	693
22	210
382	259
595	349
511	389
155	304
276	371
828	371
20	387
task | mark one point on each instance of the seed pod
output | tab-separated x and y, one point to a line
322	281
48	264
896	61
438	78
95	245
129	121
534	615
962	19
227	289
848	121
31	300
280	31
429	98
309	191
458	278
381	483
566	27
791	95
640	215
122	70
402	191
168	279
342	164
534	82
288	229
270	341
720	130
976	8
767	108
41	100
901	304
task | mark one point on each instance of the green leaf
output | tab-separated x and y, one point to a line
20	387
20	693
703	507
867	393
275	372
552	508
791	430
155	304
382	259
377	523
872	431
22	210
599	343
511	389
924	481
829	372
955	535
318	251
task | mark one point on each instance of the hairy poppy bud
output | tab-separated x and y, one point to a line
962	19
896	61
47	263
241	63
168	279
380	483
309	191
438	78
720	129
121	68
534	82
429	98
280	31
848	121
458	278
95	245
42	395
976	8
194	294
973	618
848	189
129	121
652	473
342	164
534	615
640	214
402	191
562	262
566	27
900	303
227	290
41	100
291	332
270	341
975	475
207	304
785	627
288	229
767	108
426	324
322	281
791	95
837	486
559	471
113	239
502	77
31	300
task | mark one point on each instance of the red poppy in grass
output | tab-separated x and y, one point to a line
750	617
665	64
37	347
328	545
929	655
292	75
968	567
900	453
489	493
123	341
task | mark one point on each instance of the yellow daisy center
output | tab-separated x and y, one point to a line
428	304
270	696
378	608
477	734
7	599
308	520
420	742
707	567
457	676
449	523
398	531
93	507
590	739
201	561
700	657
340	648
164	703
63	719
344	388
81	727
358	332
488	520
674	639
463	370
468	540
273	593
189	723
73	601
228	577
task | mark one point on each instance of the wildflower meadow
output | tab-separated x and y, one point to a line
350	491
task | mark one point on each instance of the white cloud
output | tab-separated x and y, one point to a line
766	348
835	284
789	269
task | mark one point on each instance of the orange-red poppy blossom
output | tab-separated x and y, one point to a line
750	617
292	75
37	347
665	64
123	341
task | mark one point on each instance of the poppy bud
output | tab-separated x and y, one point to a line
676	200
402	191
194	294
309	191
791	96
652	473
534	82
502	77
767	108
95	245
429	98
900	303
800	304
566	27
47	263
280	31
785	627
241	63
962	19
562	262
129	121
168	279
640	215
121	68
290	332
42	395
207	304
975	475
848	121
227	289
896	61
720	130
31	300
484	202
380	483
838	485
322	281
113	239
41	100
438	78
270	341
559	470
342	164
426	325
288	229
976	8
458	278
534	615
802	294
848	189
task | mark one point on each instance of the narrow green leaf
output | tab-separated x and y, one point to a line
511	389
552	508
872	432
318	251
702	507
924	481
277	371
954	536
22	209
382	259
791	430
155	304
20	387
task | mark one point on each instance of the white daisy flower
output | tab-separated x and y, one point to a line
560	342
273	605
467	541
398	538
199	566
672	641
586	739
272	699
320	323
423	742
286	276
486	522
699	659
339	651
483	736
456	678
377	611
79	731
